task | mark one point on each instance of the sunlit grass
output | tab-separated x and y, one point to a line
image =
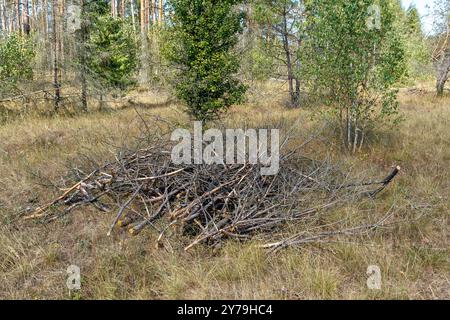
37	152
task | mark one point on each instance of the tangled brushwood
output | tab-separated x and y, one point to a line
212	203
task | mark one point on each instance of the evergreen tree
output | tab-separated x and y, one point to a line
417	51
413	20
202	38
112	52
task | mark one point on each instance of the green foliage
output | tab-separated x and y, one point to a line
96	8
263	11
203	35
262	64
414	25
416	48
257	61
355	62
16	60
281	25
112	52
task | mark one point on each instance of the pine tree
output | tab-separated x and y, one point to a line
112	53
202	38
413	20
417	51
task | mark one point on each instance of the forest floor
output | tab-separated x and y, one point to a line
37	152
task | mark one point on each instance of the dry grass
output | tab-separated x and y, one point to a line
36	152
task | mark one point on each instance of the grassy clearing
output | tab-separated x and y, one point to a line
36	152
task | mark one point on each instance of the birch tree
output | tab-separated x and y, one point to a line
353	56
441	53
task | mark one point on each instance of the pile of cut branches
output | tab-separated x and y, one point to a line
210	203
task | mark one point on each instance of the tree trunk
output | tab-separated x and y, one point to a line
113	8
442	71
83	58
161	12
45	19
101	103
3	17
133	16
142	16
56	84
289	65
11	21
17	26
297	92
154	6
147	14
122	8
143	72
33	15
61	13
26	15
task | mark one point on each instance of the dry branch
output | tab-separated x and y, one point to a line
212	203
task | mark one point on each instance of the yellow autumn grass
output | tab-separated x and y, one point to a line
36	153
